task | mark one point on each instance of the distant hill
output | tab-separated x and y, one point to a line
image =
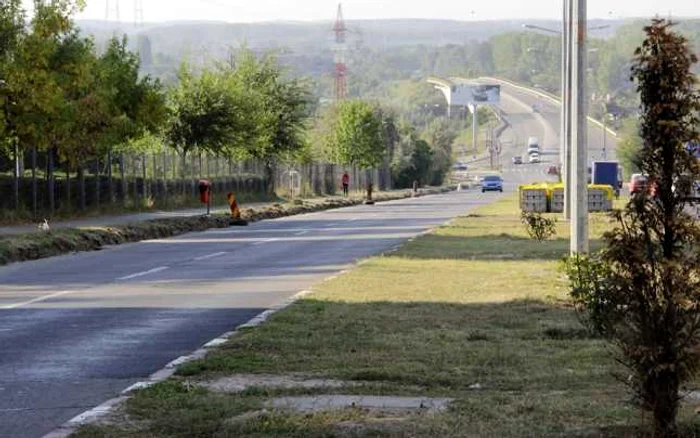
173	38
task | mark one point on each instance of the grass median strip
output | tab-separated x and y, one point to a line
474	312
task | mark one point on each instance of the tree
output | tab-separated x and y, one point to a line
440	135
279	106
357	137
642	292
204	113
413	161
629	147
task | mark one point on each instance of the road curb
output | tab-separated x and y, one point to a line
97	413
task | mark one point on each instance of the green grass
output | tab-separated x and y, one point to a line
473	302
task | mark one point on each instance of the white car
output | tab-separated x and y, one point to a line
534	158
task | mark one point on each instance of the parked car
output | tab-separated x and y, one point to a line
638	183
534	158
517	159
492	183
459	167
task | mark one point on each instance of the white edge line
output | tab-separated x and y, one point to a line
141	274
93	415
210	256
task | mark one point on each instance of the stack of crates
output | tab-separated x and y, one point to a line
533	199
556	198
600	198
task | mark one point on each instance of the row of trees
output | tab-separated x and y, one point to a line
77	105
61	98
57	96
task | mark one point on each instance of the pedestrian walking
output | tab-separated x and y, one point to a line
346	183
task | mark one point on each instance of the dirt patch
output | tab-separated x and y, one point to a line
241	382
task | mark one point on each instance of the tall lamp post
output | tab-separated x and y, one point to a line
573	120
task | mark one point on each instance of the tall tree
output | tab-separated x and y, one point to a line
205	113
642	291
281	107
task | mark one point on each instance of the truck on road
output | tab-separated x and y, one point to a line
607	173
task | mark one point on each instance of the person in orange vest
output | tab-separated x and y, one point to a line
346	183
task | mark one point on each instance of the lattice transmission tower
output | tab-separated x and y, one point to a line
340	71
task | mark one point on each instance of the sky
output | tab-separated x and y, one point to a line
310	10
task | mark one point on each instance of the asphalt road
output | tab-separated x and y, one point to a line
76	330
548	124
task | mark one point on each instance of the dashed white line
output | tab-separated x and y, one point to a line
301	233
264	241
210	256
141	274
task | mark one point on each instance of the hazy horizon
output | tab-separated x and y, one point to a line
305	11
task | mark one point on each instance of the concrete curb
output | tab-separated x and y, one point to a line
95	414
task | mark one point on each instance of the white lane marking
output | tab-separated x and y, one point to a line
210	256
264	241
141	274
301	233
37	300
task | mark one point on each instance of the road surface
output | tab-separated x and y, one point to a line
76	330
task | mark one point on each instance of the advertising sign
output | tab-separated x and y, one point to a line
471	94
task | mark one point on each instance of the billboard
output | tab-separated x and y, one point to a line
472	94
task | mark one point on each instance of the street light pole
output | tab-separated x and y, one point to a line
565	130
579	180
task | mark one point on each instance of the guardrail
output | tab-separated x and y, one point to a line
551	97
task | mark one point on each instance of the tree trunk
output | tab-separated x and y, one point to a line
122	175
50	181
109	177
15	184
270	177
81	184
35	202
68	191
98	183
144	169
666	404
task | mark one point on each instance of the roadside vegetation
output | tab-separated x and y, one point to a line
83	129
640	292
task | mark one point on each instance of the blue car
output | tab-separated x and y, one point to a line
492	183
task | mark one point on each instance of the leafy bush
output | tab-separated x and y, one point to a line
538	227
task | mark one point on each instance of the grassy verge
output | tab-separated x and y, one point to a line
473	311
36	245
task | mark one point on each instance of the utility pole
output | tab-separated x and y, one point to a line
565	129
579	125
475	126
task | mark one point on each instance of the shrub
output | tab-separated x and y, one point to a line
538	227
